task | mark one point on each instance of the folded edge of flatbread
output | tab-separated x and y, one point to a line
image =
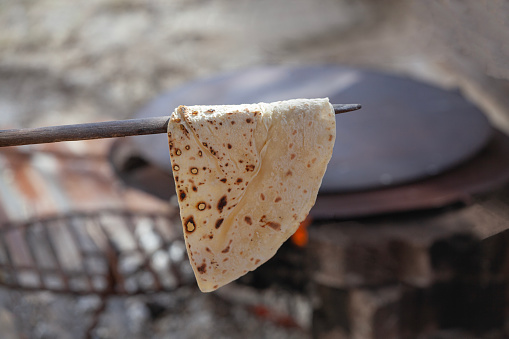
246	176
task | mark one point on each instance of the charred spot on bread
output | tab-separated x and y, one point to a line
219	222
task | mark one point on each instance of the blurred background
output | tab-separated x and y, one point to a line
64	62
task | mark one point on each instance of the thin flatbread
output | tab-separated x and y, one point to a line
246	176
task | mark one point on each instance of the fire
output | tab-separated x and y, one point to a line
300	237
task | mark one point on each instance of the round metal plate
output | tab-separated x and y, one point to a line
406	130
486	172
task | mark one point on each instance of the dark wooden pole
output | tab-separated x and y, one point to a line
100	130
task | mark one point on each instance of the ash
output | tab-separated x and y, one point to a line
231	312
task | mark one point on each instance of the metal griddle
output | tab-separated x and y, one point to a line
406	131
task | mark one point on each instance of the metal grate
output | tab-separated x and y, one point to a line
107	253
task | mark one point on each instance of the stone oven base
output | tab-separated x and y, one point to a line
428	274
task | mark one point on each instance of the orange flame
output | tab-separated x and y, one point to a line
300	237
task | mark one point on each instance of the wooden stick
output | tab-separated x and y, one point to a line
100	130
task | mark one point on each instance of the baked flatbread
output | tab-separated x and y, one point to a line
246	176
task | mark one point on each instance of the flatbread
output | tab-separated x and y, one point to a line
246	176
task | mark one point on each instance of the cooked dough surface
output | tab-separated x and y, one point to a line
246	176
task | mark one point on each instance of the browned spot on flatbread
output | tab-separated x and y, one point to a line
250	168
262	196
229	146
186	132
190	224
194	170
238	181
195	189
227	248
219	222
202	268
248	220
201	206
278	199
223	180
221	203
288	173
182	195
257	261
331	137
176	167
178	152
188	147
274	225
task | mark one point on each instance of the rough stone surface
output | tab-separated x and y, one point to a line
428	274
